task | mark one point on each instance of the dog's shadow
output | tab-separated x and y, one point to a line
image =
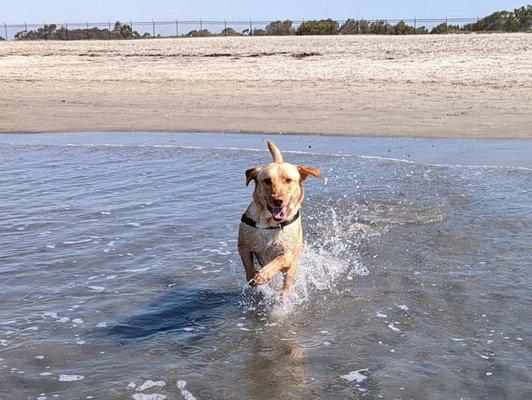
180	310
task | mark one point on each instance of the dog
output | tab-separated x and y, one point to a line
270	232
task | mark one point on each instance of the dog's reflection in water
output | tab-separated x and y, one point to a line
275	366
267	357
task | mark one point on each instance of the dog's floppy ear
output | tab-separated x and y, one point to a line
251	174
305	171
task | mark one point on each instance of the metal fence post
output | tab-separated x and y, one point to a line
225	27
176	28
201	27
26	28
109	25
5	27
386	26
415	25
131	26
88	33
250	28
45	32
66	29
153	25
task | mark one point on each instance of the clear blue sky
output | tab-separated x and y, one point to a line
38	11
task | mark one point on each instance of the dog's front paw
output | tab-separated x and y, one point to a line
259	279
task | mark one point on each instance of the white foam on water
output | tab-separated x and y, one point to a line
45	374
70	378
185	393
149	384
101	325
135	224
355	376
403	307
153	396
393	327
70	242
381	315
63	319
4	342
77	321
138	269
49	314
39	357
97	289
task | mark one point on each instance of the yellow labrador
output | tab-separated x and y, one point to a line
270	233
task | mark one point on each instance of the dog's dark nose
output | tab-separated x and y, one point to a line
277	202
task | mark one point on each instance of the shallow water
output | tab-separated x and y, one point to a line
120	276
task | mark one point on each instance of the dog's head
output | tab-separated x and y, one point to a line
278	185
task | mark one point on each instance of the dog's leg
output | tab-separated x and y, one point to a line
249	265
270	270
289	278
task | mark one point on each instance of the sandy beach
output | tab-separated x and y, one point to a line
476	86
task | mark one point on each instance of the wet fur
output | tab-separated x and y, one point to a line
279	248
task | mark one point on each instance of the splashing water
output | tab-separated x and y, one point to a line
327	260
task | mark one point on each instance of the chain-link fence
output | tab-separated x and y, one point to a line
205	28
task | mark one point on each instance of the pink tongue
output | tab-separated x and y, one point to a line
279	213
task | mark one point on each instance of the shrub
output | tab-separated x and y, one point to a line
199	33
321	27
259	32
349	27
504	21
1	39
402	28
280	28
51	32
445	28
228	32
379	27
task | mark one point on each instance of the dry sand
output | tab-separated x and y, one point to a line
426	86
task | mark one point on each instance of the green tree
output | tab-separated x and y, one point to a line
321	27
280	28
445	28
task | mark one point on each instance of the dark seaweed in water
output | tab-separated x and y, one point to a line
118	266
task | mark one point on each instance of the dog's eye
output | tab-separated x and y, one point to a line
288	180
267	181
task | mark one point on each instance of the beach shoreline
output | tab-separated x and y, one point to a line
437	86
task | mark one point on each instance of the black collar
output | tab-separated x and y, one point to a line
248	221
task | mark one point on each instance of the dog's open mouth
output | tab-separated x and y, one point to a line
279	213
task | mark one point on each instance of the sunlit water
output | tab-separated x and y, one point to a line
121	280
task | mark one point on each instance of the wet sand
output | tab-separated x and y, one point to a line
470	86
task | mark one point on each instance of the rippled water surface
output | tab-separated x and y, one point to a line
121	280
